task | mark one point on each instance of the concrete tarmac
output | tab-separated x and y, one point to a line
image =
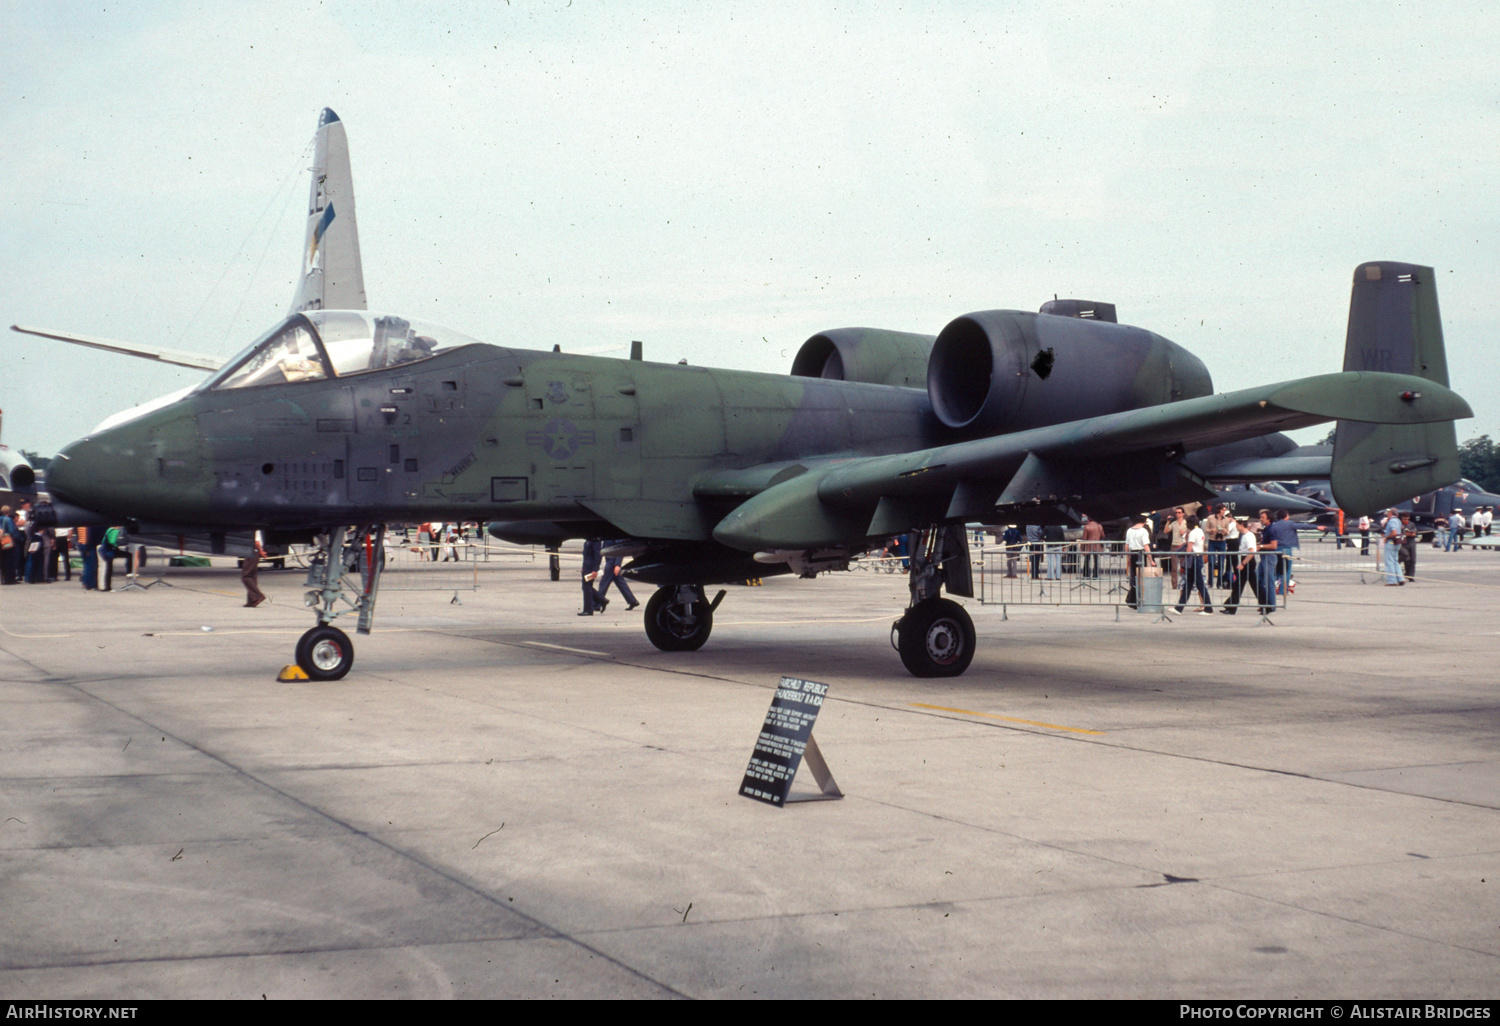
506	800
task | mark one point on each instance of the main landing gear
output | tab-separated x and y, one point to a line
935	637
344	575
679	617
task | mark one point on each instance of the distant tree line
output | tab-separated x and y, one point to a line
1480	460
37	461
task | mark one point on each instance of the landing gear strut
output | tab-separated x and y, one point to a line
344	575
935	636
679	617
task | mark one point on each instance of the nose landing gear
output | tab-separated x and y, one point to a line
325	653
344	575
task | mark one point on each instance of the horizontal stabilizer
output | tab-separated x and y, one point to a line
173	356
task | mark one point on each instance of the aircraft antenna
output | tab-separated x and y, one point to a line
186	328
307	152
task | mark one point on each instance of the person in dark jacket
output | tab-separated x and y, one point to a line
250	573
593	552
612	576
38	548
14	546
88	548
115	545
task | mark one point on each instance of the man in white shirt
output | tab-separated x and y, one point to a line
1456	526
1195	546
1244	571
1137	555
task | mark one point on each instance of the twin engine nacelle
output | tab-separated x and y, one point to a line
1007	370
871	355
1010	370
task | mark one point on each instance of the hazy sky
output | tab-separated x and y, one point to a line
724	180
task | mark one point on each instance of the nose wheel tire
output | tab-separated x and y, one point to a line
677	626
936	639
325	653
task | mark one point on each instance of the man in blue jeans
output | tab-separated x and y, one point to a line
612	576
1287	544
1390	536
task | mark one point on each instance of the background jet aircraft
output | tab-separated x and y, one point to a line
336	422
1252	498
17	478
1463	496
1248	500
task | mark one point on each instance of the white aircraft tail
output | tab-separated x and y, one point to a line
332	277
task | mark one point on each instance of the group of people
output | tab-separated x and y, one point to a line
1218	551
1448	531
1045	545
593	594
440	542
33	554
1398	538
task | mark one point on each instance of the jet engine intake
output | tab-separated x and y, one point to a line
870	355
15	473
1010	370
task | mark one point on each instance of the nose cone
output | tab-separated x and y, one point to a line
146	469
81	475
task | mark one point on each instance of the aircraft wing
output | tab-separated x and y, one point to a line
833	501
172	356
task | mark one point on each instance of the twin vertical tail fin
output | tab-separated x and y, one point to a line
1394	327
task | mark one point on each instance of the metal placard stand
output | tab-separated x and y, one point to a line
786	743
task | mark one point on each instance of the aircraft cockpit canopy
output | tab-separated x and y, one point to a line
321	344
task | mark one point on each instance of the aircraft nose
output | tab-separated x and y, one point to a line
71	472
146	469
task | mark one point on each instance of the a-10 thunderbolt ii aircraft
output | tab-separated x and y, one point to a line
336	422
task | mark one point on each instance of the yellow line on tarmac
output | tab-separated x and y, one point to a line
1007	719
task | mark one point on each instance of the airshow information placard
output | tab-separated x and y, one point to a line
783	740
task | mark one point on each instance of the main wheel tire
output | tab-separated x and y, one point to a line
936	639
325	653
672	630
